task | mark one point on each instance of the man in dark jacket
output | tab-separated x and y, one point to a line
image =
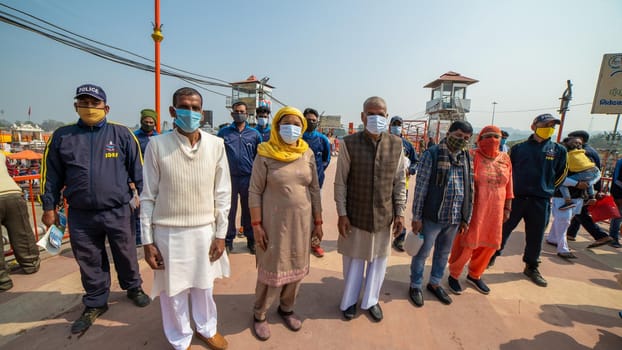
583	218
92	162
395	128
538	167
241	143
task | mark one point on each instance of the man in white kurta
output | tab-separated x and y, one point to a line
370	191
184	207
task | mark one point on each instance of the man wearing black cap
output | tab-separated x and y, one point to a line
395	128
504	138
538	166
92	162
584	219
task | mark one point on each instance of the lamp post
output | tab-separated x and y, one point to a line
494	104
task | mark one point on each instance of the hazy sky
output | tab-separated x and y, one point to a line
326	54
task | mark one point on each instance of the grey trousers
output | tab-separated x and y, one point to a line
14	216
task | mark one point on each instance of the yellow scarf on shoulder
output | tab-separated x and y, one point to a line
276	148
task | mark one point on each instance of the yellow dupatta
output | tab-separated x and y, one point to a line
276	148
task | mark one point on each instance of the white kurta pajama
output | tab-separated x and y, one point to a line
365	253
184	207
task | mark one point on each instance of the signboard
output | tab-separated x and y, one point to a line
608	96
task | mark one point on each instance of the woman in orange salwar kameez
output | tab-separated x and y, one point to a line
491	207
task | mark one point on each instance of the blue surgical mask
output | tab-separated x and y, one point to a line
187	120
262	122
376	124
503	141
396	130
290	133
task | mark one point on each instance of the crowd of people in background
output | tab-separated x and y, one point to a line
177	195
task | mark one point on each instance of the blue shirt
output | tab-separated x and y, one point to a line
241	147
320	145
409	152
143	138
265	133
93	163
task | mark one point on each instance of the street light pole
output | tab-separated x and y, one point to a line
494	104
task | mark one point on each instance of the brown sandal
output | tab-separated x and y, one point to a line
261	328
291	320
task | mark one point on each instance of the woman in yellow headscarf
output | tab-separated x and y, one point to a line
286	210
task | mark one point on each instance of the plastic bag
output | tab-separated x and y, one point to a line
413	242
604	209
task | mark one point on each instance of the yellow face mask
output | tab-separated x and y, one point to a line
545	133
91	116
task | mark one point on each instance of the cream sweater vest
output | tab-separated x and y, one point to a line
189	182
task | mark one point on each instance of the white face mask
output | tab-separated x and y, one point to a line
262	122
290	133
376	124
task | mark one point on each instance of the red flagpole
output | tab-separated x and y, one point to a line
157	38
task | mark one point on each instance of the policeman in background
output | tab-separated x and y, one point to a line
94	161
320	145
241	143
263	122
409	152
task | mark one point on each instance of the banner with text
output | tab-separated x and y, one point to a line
608	96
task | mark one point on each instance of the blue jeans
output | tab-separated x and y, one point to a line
614	228
441	236
591	176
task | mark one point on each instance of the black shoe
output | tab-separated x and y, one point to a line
615	244
535	276
349	313
491	263
4	286
416	296
454	285
139	297
478	284
251	247
440	293
375	312
87	318
567	255
398	244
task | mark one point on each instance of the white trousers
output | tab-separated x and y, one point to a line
561	222
176	316
353	274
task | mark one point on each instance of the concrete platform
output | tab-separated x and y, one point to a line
578	310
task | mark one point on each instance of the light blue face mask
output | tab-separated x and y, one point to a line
396	130
376	124
290	133
262	122
187	120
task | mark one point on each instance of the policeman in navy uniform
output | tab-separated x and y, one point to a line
92	162
241	143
